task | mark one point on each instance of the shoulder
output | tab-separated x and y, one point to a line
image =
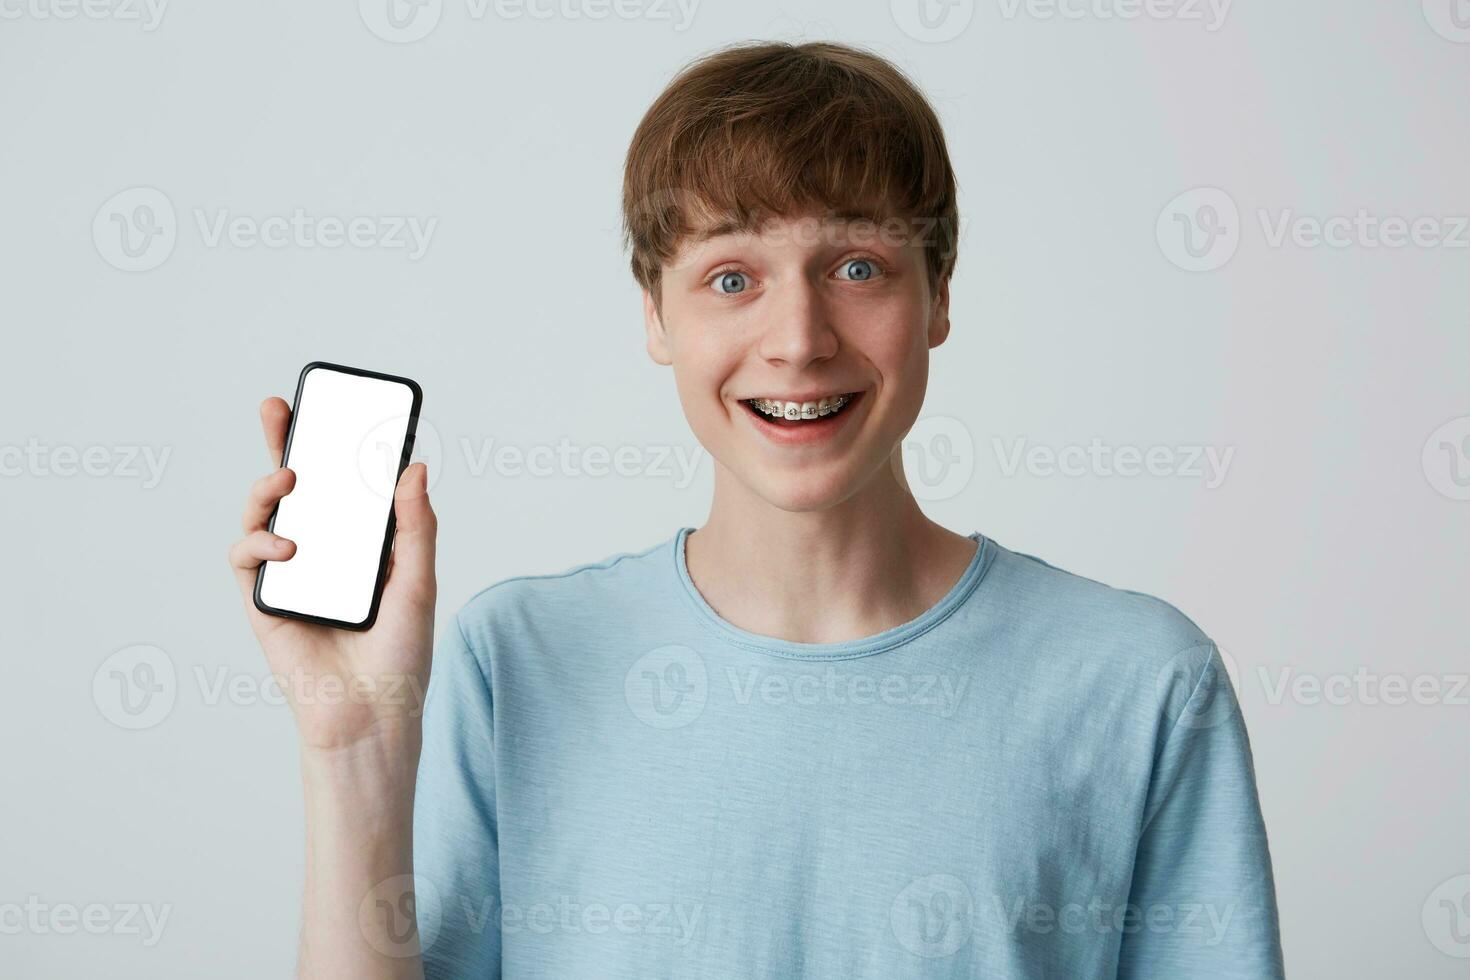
1072	611
521	602
1114	646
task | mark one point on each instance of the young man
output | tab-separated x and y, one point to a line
820	736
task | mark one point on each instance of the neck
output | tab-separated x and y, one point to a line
864	565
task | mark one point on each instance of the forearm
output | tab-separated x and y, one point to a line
357	906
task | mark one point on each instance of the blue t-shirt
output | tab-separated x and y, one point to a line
1039	777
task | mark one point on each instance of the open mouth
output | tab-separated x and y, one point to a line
792	414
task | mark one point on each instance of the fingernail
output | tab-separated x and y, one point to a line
281	544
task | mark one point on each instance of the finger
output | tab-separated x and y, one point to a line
265	493
418	527
275	418
247	554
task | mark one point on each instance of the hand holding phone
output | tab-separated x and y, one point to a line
350	636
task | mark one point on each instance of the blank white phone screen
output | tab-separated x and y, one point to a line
345	448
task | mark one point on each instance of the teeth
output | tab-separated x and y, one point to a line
798	411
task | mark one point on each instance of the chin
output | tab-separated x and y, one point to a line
800	493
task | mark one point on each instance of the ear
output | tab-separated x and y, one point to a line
939	315
653	328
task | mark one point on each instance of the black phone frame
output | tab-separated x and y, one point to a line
392	526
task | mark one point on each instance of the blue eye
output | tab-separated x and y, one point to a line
859	270
730	282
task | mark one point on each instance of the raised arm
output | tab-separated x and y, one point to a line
358	702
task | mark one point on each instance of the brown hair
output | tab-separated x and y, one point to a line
759	130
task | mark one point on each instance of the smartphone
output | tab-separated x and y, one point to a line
350	438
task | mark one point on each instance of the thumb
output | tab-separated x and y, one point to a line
413	547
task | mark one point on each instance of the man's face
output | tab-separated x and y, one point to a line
832	318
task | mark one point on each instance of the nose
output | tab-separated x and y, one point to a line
797	330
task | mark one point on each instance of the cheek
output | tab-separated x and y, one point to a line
702	366
896	345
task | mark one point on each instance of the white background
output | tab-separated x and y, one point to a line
1336	542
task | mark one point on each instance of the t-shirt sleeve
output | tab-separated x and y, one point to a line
1203	896
455	843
